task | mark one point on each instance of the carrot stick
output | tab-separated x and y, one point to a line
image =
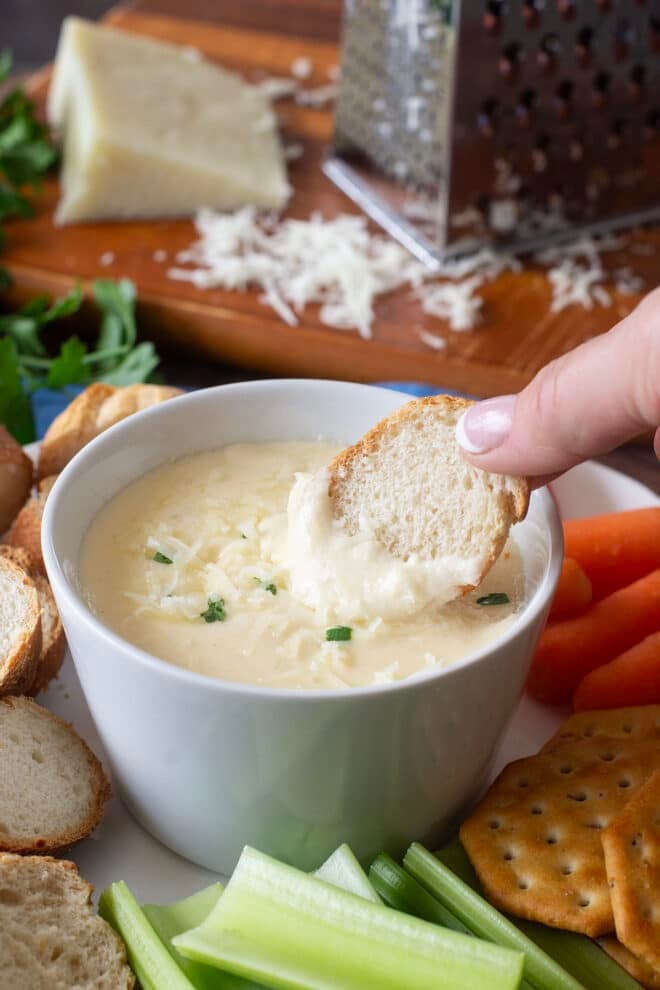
569	650
633	678
574	594
615	549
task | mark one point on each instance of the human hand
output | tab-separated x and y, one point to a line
589	401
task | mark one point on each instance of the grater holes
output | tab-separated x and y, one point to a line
567	9
583	45
525	106
530	12
615	135
563	97
623	38
637	82
540	151
654	29
486	116
548	51
601	84
509	61
492	16
652	124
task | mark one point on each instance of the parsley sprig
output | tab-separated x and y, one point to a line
28	359
215	612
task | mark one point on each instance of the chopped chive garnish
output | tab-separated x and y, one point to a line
338	634
243	536
495	598
215	612
266	585
160	558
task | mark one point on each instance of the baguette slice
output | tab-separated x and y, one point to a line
15	478
20	629
53	643
52	634
50	936
72	429
25	533
407	483
52	787
94	410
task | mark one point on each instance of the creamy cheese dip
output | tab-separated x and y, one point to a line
225	605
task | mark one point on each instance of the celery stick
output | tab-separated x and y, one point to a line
170	920
149	959
580	956
484	920
281	926
402	892
343	870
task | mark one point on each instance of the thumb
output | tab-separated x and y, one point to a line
583	404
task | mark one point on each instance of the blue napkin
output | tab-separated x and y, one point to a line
47	403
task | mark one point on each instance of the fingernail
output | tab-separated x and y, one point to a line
486	425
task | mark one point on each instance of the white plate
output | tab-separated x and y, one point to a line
121	850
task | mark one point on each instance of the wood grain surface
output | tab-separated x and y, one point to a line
518	333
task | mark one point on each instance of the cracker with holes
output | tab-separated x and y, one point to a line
534	839
641	722
631	844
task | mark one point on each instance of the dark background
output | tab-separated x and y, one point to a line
29	28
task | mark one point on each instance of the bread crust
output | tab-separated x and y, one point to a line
341	467
96	409
53	642
19	668
16	474
25	532
75	889
72	429
100	793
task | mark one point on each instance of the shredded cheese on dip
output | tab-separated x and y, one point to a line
190	563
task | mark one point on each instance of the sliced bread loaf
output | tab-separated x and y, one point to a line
406	483
93	411
53	643
15	478
50	936
20	628
25	532
52	787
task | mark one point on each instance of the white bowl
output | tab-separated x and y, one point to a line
208	765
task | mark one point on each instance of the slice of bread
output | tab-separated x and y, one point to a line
52	635
53	643
72	429
52	787
94	410
406	483
50	936
16	472
25	533
132	399
20	628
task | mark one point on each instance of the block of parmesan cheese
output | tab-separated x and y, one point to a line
151	129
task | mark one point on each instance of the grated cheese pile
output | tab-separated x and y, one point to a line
341	266
335	263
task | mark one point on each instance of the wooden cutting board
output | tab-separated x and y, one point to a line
518	333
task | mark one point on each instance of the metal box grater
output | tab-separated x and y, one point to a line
461	123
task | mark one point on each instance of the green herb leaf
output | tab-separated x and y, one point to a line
338	634
215	612
266	585
495	598
135	367
243	536
69	368
15	408
5	64
160	558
